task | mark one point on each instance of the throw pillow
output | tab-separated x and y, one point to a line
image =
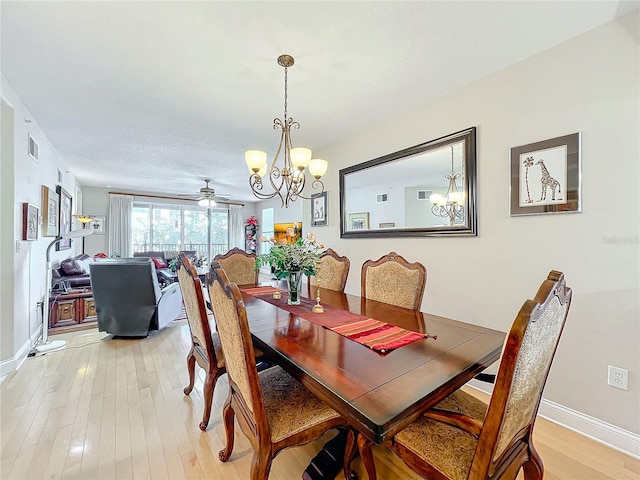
159	262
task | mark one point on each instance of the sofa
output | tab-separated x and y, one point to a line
72	273
161	260
128	299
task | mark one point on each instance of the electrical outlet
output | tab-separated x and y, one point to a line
618	378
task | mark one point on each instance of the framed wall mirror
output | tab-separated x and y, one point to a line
424	190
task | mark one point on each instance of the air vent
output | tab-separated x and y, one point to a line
424	194
382	197
33	148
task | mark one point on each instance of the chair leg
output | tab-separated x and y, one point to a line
260	465
349	452
364	447
533	468
191	368
227	418
209	386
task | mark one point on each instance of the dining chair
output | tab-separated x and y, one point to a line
274	410
462	437
391	279
332	271
205	344
205	347
239	266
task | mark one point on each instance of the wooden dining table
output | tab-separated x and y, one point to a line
379	394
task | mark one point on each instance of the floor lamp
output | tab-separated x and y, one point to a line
47	345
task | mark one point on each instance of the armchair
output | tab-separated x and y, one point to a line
128	298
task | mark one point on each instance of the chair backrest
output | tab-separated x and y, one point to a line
150	254
188	253
126	294
194	305
239	266
526	360
332	271
235	338
391	279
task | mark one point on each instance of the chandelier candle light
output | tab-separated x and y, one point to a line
287	180
451	205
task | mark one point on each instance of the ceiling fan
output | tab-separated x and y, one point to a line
207	196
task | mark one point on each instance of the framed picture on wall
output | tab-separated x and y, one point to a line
359	221
64	217
97	224
29	222
287	232
50	200
319	209
545	176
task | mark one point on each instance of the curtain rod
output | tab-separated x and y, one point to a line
169	198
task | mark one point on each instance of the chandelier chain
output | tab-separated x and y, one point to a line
285	93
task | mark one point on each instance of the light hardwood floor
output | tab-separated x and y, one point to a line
114	409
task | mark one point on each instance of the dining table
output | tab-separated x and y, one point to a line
378	392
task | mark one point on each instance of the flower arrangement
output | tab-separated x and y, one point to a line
252	220
291	255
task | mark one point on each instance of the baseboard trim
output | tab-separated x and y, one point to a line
609	435
14	363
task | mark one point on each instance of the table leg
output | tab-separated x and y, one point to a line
364	447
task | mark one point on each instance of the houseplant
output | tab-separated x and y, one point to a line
291	258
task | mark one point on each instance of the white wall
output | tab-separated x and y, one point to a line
96	202
25	180
589	85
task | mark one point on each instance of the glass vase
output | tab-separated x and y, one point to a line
294	282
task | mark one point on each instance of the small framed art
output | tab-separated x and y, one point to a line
64	217
97	224
319	209
359	221
50	200
545	176
29	222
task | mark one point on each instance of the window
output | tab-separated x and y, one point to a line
165	227
267	229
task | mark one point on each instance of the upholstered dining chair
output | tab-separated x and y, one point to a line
333	271
392	279
274	410
462	437
205	345
239	266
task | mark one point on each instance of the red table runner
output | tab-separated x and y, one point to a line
374	334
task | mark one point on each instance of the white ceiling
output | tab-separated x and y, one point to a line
156	96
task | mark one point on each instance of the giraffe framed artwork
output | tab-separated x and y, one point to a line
545	176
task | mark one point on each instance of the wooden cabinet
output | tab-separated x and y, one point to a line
250	238
75	310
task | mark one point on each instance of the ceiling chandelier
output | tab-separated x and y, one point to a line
288	180
452	205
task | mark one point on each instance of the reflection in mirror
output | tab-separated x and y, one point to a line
428	189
